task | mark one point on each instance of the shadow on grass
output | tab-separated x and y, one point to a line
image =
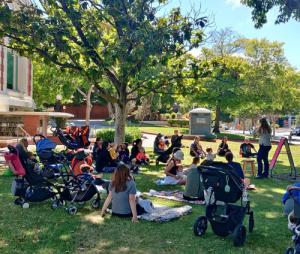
42	230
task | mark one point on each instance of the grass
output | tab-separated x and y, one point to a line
44	231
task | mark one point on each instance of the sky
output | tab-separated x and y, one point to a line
231	13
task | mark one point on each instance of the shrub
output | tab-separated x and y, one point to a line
173	116
131	134
179	122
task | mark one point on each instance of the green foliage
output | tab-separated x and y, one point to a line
173	115
230	136
287	10
178	122
127	43
298	119
131	134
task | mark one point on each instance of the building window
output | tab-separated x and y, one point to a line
10	70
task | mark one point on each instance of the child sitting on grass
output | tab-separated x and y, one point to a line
210	156
142	157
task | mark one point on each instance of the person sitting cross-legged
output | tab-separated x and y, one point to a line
174	169
194	189
122	194
246	149
223	147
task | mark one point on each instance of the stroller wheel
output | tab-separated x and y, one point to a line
200	226
290	251
72	210
25	205
96	203
19	201
239	235
251	222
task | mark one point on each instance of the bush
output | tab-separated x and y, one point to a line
179	122
131	134
230	136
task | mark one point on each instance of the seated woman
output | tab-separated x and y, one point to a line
113	151
137	148
194	189
245	149
288	200
96	147
196	149
174	169
123	152
122	194
223	147
104	159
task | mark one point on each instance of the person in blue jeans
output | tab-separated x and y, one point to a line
264	133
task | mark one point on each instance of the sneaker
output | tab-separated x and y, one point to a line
259	177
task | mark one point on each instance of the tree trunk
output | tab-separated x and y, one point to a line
111	110
120	122
217	120
88	106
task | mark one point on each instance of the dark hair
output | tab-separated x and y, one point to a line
137	141
196	160
229	156
264	126
119	178
105	145
208	149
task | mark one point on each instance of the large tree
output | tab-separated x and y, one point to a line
288	9
122	41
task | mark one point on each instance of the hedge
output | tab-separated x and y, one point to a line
131	134
179	122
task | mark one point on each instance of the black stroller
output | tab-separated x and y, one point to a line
79	190
296	229
163	156
29	185
55	163
223	188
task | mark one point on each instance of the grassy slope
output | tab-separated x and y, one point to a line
41	230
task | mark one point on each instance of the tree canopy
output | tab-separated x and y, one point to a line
288	9
122	41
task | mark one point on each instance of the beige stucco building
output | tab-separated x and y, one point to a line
16	74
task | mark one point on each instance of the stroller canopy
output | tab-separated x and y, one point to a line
219	176
45	144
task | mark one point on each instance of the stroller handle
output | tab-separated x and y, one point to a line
40	136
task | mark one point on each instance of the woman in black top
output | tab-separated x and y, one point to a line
223	147
137	144
103	158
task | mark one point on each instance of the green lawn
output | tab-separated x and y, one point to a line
42	230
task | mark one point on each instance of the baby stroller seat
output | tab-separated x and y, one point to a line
80	189
55	163
223	188
74	137
296	229
28	185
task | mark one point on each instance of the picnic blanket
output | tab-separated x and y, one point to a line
161	181
175	195
164	213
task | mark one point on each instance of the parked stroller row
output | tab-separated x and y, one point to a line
51	178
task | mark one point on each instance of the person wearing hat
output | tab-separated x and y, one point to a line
81	157
174	169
